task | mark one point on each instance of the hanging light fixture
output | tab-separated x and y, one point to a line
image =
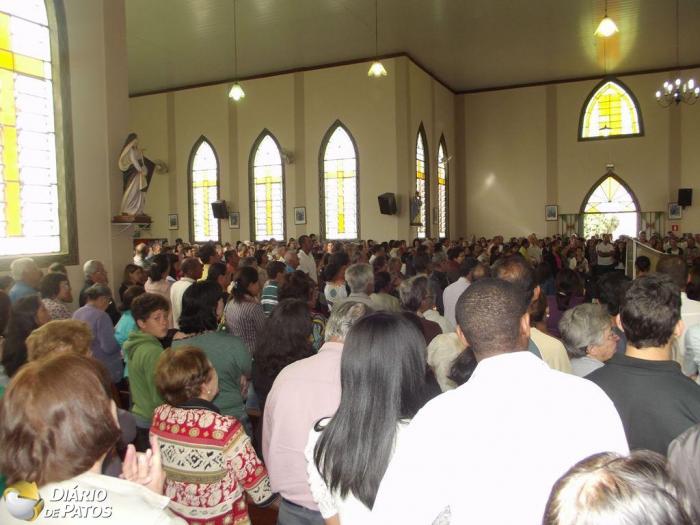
607	27
376	70
678	90
236	93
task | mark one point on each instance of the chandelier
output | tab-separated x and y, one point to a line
678	90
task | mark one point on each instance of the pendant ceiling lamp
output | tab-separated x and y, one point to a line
236	93
607	27
376	70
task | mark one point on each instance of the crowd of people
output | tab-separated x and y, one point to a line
443	381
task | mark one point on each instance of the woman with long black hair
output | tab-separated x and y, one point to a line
382	375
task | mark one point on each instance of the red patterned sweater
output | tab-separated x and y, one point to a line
209	464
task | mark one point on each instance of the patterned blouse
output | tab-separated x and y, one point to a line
209	464
57	309
245	319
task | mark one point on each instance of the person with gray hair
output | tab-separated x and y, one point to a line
360	280
588	337
26	275
302	394
104	345
417	297
291	259
95	273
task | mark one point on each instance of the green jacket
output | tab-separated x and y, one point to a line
231	360
143	351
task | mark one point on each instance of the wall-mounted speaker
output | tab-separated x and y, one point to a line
685	197
387	203
219	209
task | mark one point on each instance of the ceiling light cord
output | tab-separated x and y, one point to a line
376	28
235	40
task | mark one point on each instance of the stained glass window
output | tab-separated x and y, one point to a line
610	111
442	189
30	213
422	182
204	177
610	208
268	190
339	194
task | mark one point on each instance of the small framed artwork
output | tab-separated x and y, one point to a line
675	211
300	215
173	222
234	220
551	212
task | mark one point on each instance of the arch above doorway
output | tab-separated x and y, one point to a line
610	206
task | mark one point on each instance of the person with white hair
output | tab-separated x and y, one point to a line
95	273
27	275
360	279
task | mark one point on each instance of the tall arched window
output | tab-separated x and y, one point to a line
610	207
204	189
36	211
422	186
610	111
442	172
339	189
267	182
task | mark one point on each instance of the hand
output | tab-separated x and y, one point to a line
145	468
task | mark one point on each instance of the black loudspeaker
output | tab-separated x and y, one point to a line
219	209
387	203
685	197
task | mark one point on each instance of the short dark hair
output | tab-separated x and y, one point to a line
144	305
516	270
611	290
675	267
189	265
205	252
160	264
50	284
610	488
421	262
298	285
199	307
128	270
467	265
180	374
57	267
643	263
216	270
274	268
131	293
651	310
381	281
489	313
245	277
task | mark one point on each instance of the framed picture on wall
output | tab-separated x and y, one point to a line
675	211
173	222
234	220
551	212
300	215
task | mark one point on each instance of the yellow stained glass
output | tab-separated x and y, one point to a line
340	186
421	178
610	112
442	190
268	190
204	178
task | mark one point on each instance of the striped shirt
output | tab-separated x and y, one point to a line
269	297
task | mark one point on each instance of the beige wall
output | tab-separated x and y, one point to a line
522	152
383	116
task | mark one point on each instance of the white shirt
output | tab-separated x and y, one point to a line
605	252
492	448
450	297
350	510
307	264
177	290
441	353
434	316
690	313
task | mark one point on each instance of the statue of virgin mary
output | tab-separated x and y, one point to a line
137	171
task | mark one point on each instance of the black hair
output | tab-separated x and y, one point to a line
274	268
335	263
516	270
216	270
611	290
160	264
50	284
298	285
5	306
21	323
128	270
199	307
467	265
382	376
568	285
463	366
172	260
6	282
651	311
489	313
453	253
245	276
206	252
643	263
421	262
381	281
283	340
145	304
131	293
57	267
675	267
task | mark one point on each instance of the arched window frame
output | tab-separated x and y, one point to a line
424	231
251	183
444	201
65	166
322	186
190	165
584	202
593	93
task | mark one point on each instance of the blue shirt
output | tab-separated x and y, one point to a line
19	290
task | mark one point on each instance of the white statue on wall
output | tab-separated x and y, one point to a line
137	171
